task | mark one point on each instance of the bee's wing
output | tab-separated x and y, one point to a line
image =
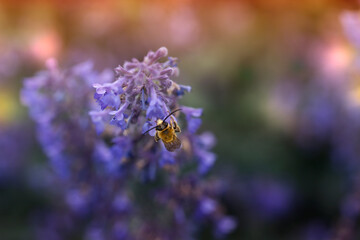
173	145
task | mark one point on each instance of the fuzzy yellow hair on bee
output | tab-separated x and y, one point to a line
166	132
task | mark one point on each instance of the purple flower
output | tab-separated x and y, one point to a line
105	166
351	24
181	91
203	143
107	99
147	92
208	206
121	203
139	86
119	116
157	108
77	200
107	95
193	118
167	158
99	118
224	226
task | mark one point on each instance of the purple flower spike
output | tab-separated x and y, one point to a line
141	94
100	168
145	85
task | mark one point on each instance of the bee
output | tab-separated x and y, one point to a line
166	131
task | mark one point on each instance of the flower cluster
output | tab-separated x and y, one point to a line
112	181
142	93
59	102
140	86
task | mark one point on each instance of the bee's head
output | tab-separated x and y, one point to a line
161	125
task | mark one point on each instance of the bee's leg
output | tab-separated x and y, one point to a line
157	138
176	127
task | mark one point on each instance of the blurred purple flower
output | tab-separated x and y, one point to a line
12	161
268	198
224	226
351	25
192	118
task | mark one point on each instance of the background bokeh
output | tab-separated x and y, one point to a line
277	80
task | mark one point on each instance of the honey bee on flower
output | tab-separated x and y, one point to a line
166	132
